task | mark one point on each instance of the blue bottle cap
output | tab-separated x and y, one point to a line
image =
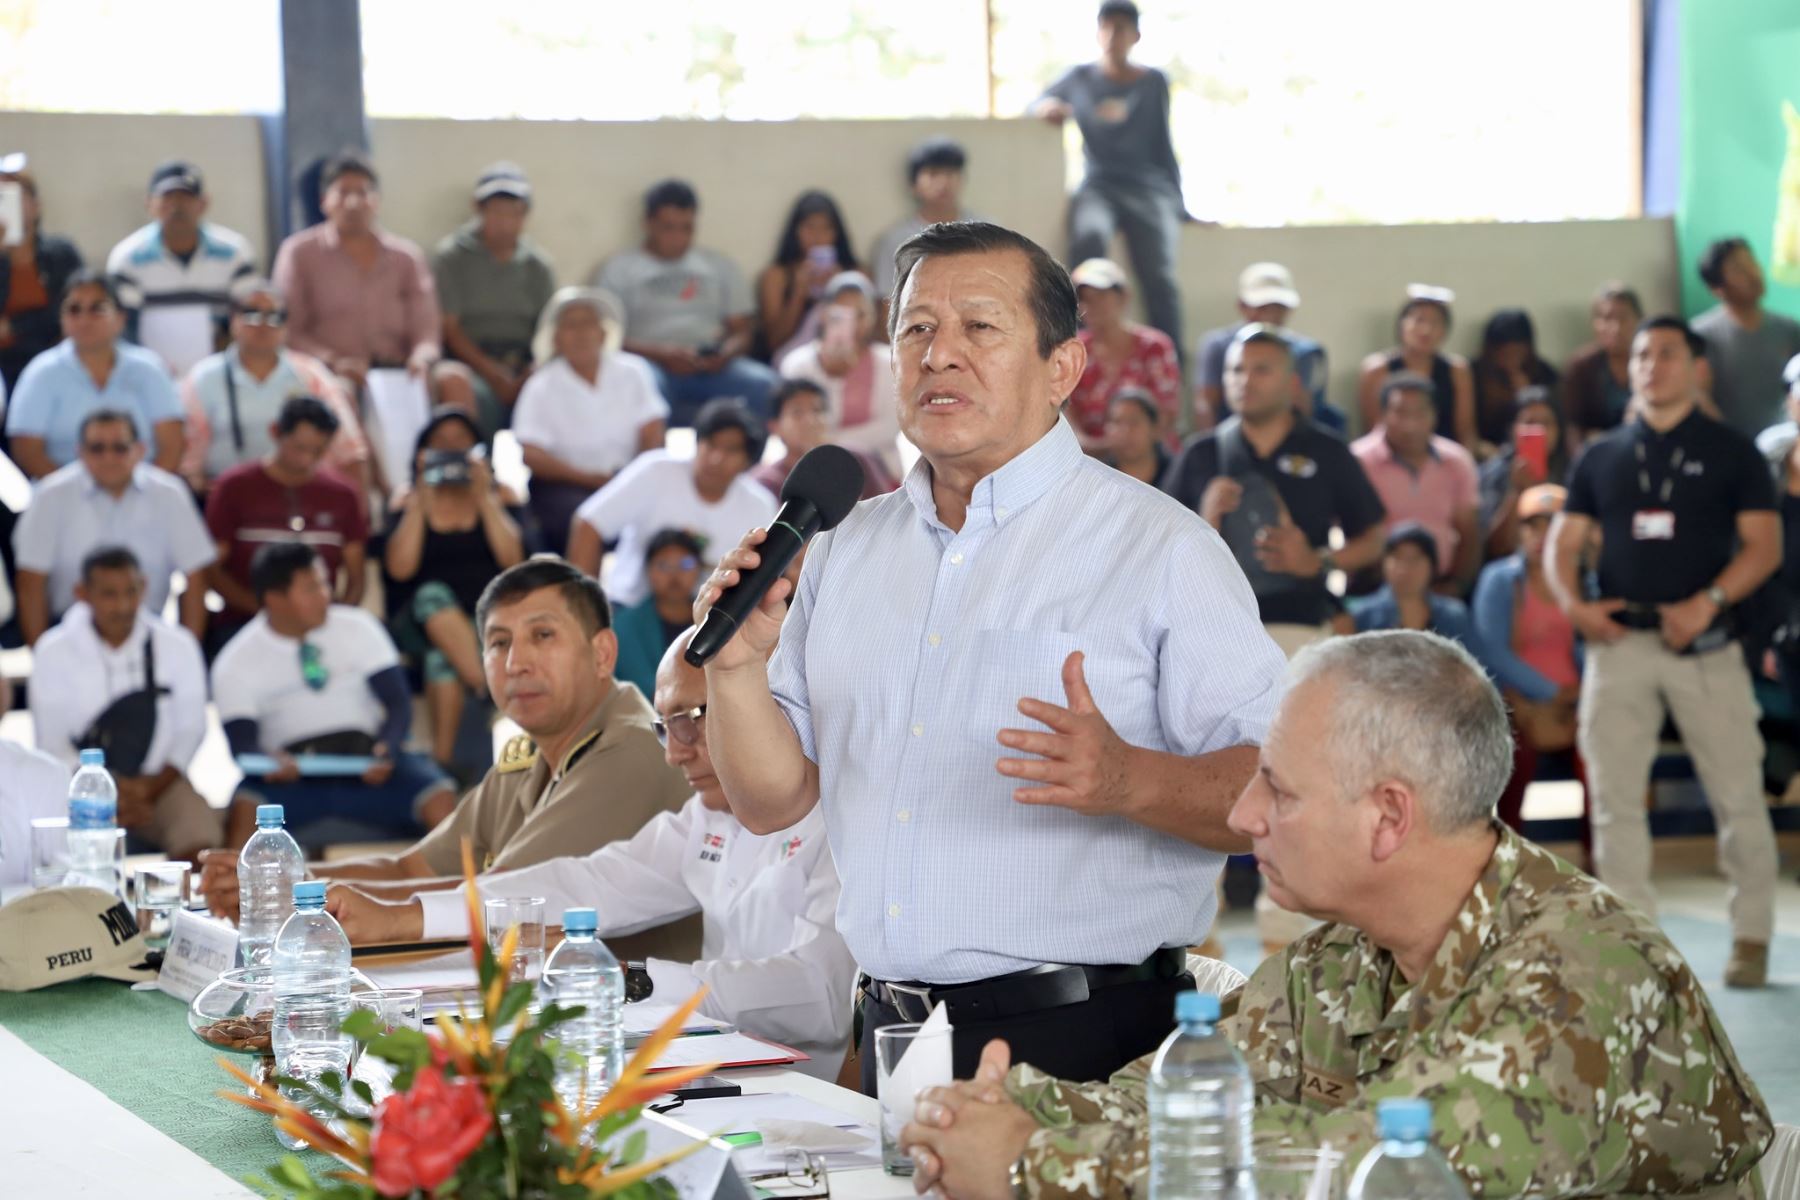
1404	1120
580	920
270	816
93	758
309	891
1191	1007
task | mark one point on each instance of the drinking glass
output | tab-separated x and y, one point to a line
892	1043
49	851
527	912
157	890
1288	1173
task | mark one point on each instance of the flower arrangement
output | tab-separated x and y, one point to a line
474	1115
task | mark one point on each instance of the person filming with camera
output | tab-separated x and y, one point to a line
451	534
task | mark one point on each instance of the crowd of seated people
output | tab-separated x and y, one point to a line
199	412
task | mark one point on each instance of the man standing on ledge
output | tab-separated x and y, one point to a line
1028	687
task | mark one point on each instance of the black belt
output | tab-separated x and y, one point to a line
1049	986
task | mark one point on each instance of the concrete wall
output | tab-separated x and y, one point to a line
92	170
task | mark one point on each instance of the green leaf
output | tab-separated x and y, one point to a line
363	1092
291	1171
363	1025
332	1081
517	997
633	1149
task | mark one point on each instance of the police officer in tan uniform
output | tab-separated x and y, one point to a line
588	770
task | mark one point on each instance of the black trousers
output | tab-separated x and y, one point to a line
1080	1042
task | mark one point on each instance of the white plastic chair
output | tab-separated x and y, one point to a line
1780	1167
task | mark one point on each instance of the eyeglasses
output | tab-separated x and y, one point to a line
803	1177
684	725
312	667
274	318
98	308
686	562
106	447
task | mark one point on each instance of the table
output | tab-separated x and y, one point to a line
95	1064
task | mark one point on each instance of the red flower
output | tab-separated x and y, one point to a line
422	1135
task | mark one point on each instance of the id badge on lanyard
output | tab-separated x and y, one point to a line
1655	522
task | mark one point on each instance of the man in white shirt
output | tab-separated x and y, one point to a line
771	957
175	274
115	676
710	497
32	785
307	677
109	497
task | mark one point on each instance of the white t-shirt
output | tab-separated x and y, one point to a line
257	677
592	427
657	492
32	785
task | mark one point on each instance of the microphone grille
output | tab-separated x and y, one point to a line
830	478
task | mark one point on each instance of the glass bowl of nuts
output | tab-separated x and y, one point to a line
234	1014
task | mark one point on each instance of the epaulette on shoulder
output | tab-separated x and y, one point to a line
519	754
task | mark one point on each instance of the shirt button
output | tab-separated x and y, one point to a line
918	731
903	816
956	559
893	910
934	639
1000	512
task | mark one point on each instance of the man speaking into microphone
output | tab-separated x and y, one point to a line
1026	688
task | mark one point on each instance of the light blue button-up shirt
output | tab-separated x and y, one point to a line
907	649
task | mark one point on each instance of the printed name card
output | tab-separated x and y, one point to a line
200	949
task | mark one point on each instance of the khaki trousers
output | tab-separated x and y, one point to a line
1625	690
183	821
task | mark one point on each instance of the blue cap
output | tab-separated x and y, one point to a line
1404	1120
309	891
1196	1006
93	758
580	920
270	815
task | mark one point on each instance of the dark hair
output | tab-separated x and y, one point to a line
1050	295
1110	9
662	539
1695	343
580	592
89	277
347	162
1407	381
1138	396
1508	326
274	565
1539	396
716	416
1266	335
108	558
1619	293
790	388
106	416
441	416
1712	260
670	193
811	204
1418	302
941	153
1411	533
306	410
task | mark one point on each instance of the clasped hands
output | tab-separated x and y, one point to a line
964	1138
1082	763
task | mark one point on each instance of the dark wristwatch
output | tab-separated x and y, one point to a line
638	984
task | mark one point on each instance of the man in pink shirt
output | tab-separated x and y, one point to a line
360	297
1424	478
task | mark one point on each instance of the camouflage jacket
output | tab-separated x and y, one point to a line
1565	1046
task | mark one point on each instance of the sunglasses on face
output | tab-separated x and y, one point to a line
106	447
274	318
685	726
312	667
98	308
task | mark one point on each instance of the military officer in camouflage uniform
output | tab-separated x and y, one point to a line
1566	1048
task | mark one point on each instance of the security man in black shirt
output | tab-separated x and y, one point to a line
1274	484
1688	528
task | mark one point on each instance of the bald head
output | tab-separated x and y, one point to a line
680	689
684	685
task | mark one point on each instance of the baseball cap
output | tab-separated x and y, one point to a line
1267	283
60	934
1431	293
1544	500
1102	273
850	281
176	176
502	179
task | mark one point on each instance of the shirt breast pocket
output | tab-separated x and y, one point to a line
1005	667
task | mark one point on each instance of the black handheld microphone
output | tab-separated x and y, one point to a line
819	493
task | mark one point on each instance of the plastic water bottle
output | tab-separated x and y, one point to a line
312	995
1405	1166
269	866
582	971
1201	1099
93	823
